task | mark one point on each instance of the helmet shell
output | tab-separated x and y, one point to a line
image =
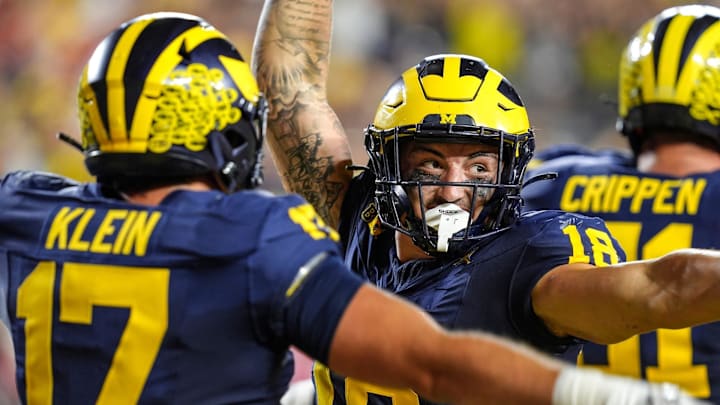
669	77
168	95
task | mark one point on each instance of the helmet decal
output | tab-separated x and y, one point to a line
190	107
704	100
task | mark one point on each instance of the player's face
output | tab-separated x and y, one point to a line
449	162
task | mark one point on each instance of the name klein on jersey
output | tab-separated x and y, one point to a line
113	231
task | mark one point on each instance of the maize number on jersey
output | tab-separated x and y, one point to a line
674	347
142	290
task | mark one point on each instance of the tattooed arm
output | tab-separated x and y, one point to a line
307	141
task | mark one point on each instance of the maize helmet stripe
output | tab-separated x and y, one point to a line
451	83
676	40
243	77
666	53
704	45
94	87
95	95
117	122
670	76
164	64
695	34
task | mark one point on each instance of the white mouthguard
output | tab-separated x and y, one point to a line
446	219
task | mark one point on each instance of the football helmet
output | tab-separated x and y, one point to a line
669	76
166	95
456	99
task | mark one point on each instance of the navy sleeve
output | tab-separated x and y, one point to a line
294	300
313	312
554	239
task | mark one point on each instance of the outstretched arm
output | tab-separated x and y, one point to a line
307	142
609	304
403	347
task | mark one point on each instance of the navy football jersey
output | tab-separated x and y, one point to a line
488	289
193	301
650	215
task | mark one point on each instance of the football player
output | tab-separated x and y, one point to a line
434	216
661	196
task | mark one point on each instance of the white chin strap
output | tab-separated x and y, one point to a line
446	219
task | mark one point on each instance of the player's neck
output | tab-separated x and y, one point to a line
406	250
156	195
679	159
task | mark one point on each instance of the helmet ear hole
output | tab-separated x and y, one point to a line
233	164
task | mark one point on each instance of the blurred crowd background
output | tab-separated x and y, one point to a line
561	55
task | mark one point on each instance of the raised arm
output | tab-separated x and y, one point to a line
609	304
307	142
